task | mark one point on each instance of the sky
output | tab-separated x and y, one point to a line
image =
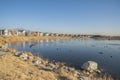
62	16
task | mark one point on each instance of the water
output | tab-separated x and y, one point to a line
76	51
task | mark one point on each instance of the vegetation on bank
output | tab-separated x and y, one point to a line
15	66
101	37
24	66
26	38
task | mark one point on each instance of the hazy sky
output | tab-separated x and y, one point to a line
64	16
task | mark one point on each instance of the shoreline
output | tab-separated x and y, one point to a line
59	70
26	38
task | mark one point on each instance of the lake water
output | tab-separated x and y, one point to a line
76	51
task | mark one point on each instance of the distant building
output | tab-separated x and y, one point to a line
46	34
21	32
40	34
27	33
62	35
69	35
51	34
36	33
5	32
56	34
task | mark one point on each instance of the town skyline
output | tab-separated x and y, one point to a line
62	16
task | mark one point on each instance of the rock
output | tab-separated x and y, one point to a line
90	66
84	78
3	46
75	73
88	73
65	68
18	53
30	57
98	71
0	46
24	56
37	62
51	65
56	69
71	69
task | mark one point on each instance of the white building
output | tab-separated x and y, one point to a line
40	34
21	32
5	32
46	34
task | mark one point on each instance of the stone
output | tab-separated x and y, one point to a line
3	46
75	73
30	57
84	78
71	69
65	68
51	65
56	69
90	66
24	56
98	71
18	53
37	62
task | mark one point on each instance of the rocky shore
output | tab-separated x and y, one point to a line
16	65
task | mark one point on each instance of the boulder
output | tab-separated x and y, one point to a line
56	69
51	65
84	78
76	73
37	62
18	53
71	69
65	68
90	66
30	57
3	46
24	56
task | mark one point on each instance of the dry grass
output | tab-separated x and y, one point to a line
14	68
26	38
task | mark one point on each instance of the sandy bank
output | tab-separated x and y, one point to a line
14	67
24	66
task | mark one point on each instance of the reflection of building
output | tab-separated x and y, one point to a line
23	45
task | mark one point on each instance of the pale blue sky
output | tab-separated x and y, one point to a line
63	16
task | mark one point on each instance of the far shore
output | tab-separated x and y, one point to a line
6	39
16	65
100	37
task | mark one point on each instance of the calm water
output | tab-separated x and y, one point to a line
76	51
